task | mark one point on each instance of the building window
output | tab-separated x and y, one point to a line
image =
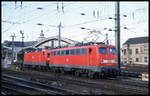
130	51
145	59
145	49
137	59
136	51
125	60
124	51
130	59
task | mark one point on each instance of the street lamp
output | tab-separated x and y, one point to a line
82	27
39	8
115	18
39	24
125	28
82	13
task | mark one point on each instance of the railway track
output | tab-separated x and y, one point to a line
23	86
135	68
131	74
115	86
128	81
120	86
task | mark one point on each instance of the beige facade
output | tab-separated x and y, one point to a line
135	54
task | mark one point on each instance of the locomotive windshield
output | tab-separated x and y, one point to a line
103	50
112	50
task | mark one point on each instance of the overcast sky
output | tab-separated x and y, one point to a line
50	14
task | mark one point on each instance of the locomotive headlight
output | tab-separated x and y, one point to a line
48	59
113	61
104	61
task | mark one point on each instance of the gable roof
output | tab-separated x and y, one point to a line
137	40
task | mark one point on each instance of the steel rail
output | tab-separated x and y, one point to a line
103	85
16	88
3	93
45	87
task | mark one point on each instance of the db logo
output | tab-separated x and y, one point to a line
67	59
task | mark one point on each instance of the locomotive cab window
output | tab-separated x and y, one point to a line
112	50
103	50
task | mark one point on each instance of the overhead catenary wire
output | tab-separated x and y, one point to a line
34	10
29	20
69	26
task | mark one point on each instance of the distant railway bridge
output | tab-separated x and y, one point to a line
50	42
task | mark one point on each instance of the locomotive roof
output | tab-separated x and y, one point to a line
73	47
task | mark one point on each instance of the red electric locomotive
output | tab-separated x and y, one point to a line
93	60
35	59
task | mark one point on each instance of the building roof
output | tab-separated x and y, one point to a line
19	44
137	40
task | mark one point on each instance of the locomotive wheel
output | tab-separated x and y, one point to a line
77	73
114	75
62	71
91	75
54	70
102	75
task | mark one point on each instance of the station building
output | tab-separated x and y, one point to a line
6	48
135	51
